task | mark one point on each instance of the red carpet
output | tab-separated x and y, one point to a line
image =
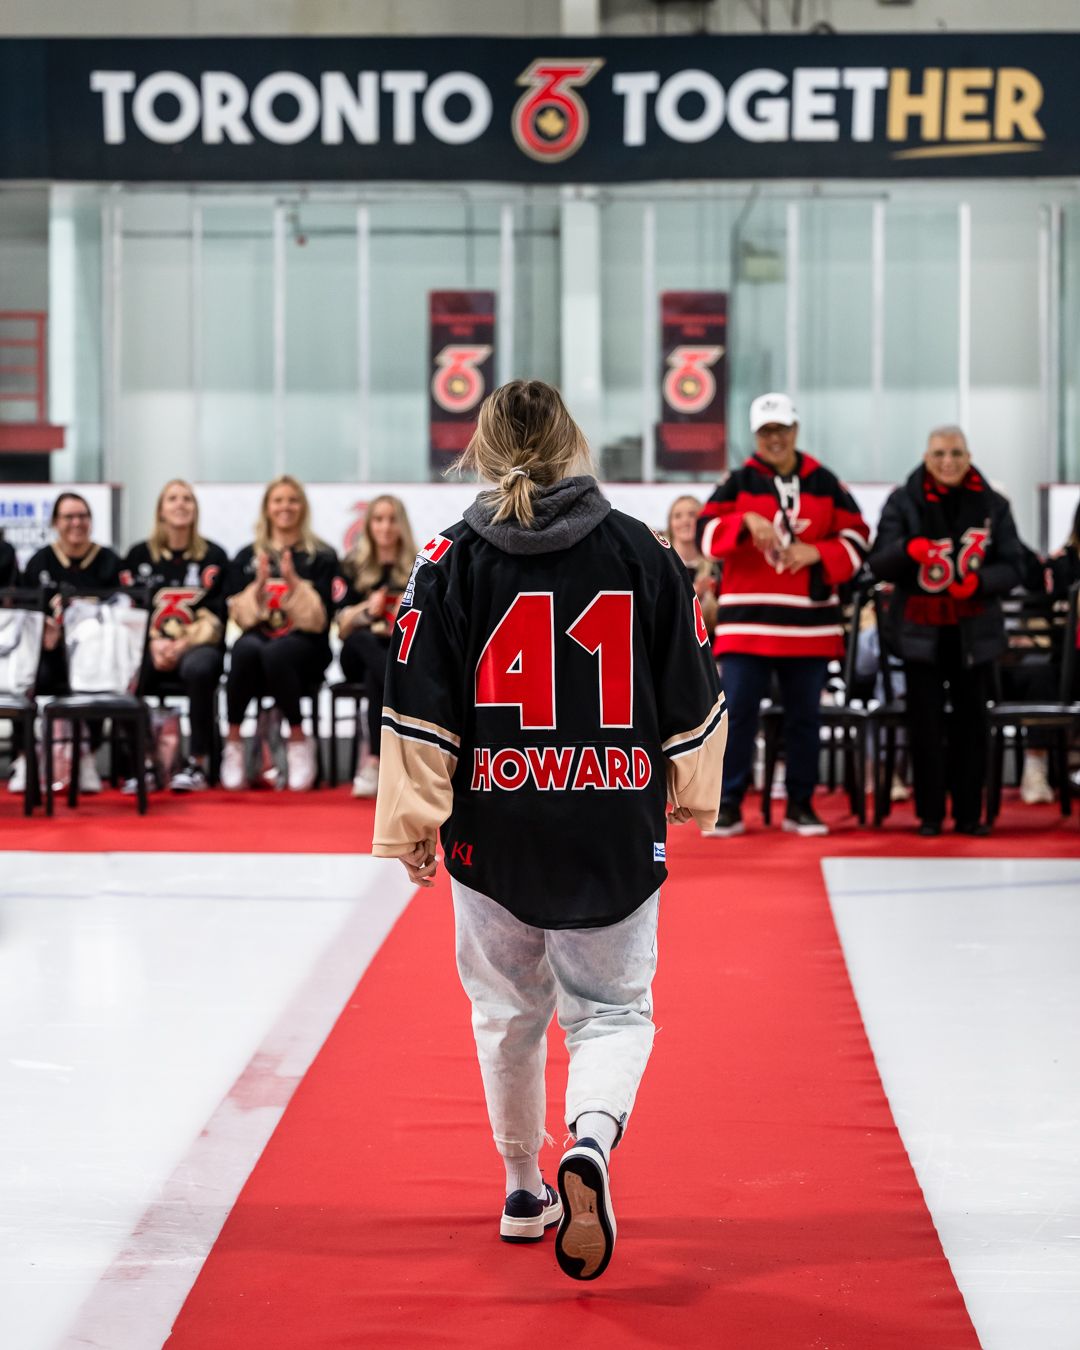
764	1197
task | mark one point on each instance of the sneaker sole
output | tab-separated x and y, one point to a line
805	830
586	1236
530	1230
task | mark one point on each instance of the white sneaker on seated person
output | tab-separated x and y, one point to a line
300	756
366	782
89	778
17	780
233	769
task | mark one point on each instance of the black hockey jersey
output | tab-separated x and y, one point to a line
98	568
187	591
542	709
9	567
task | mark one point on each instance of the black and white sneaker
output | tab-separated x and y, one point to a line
800	818
729	821
525	1216
586	1236
190	777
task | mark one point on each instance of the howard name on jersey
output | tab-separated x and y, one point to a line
543	709
187	594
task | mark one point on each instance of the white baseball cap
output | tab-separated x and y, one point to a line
768	408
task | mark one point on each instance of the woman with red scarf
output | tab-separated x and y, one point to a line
948	544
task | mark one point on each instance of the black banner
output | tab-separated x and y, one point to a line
692	433
462	351
539	109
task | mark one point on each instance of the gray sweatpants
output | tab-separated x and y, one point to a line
600	982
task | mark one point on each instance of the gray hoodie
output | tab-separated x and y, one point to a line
565	513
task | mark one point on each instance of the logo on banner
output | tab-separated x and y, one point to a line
690	386
457	385
551	122
355	529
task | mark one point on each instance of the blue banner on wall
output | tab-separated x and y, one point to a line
539	109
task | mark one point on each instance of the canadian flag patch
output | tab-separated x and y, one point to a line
436	548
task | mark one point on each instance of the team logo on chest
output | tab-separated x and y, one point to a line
174	610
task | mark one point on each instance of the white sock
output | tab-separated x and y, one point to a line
523	1174
600	1126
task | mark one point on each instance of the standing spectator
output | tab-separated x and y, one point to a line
947	542
72	559
1064	567
704	573
281	592
376	572
9	567
788	533
548	632
186	574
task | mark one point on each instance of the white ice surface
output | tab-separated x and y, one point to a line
135	989
967	974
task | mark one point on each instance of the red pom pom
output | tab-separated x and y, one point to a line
963	590
919	550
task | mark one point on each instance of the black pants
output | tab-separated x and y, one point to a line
284	668
948	748
363	661
196	676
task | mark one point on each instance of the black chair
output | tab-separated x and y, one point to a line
105	636
354	693
22	633
846	719
889	717
1041	633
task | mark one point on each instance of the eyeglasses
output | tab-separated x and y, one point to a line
75	515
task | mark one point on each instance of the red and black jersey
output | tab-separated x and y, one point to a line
542	709
764	610
180	585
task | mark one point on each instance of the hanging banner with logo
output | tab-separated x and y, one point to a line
692	434
540	110
462	346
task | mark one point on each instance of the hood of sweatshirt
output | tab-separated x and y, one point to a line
565	513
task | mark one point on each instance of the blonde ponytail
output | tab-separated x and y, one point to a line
525	440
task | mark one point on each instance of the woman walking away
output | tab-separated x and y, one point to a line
550	694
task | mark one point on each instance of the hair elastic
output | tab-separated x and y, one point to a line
513	473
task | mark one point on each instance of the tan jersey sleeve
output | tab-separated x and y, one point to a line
245	609
305	607
206	629
416	765
695	766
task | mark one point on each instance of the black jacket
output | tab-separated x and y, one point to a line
921	605
9	568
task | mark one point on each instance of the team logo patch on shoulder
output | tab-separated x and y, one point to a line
338	590
660	539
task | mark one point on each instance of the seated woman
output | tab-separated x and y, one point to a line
377	572
281	591
186	574
72	559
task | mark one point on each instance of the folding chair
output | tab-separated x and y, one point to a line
22	632
105	637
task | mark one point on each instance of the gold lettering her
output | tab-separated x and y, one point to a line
967	107
1019	97
904	105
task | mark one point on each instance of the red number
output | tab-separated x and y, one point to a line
408	624
517	666
606	627
937	572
